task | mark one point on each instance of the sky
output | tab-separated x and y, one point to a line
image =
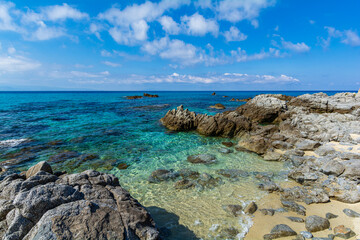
180	45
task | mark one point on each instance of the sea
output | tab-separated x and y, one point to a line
125	138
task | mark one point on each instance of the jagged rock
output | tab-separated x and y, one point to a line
315	223
293	206
343	232
279	231
41	166
307	195
202	158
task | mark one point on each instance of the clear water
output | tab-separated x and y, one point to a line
116	129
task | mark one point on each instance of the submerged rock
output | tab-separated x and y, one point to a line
202	158
234	210
162	175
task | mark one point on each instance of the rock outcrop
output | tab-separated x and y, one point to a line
284	128
88	205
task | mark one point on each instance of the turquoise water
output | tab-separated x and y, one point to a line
117	130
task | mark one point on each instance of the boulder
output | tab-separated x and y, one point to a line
343	232
41	166
315	223
218	106
279	231
294	207
250	208
234	210
307	145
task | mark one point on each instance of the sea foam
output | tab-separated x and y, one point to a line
12	142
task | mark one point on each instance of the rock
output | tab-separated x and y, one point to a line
180	119
151	95
315	223
41	166
183	184
293	206
333	168
352	169
228	144
306	234
330	216
61	157
351	213
279	231
122	166
342	232
307	145
250	208
232	173
218	106
272	156
267	211
134	97
160	175
188	174
269	186
202	158
325	150
225	150
207	181
255	144
296	219
214	93
234	210
5	207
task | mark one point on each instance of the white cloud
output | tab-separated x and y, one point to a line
105	53
130	24
17	64
238	10
46	33
212	78
6	21
111	64
199	26
89	75
11	50
348	37
351	38
295	47
234	34
63	12
241	55
175	50
169	25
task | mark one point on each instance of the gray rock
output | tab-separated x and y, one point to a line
351	213
315	223
306	234
272	156
267	211
307	145
269	186
325	150
250	208
330	216
202	158
333	168
225	150
293	206
296	219
352	169
279	231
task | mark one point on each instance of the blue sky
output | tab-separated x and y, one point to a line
180	45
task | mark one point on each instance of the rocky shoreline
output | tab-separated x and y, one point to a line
318	135
40	204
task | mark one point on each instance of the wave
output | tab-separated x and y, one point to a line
12	142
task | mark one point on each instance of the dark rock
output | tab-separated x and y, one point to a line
293	206
234	210
188	173
330	216
162	175
214	93
202	158
269	186
61	157
305	194
184	184
122	166
267	211
315	223
134	97
279	231
228	144
351	213
151	95
232	173
250	208
218	106
296	219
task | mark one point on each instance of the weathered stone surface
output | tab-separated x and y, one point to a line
279	231
315	223
343	232
41	166
89	205
250	208
162	175
296	219
218	106
351	213
267	211
333	168
293	206
330	216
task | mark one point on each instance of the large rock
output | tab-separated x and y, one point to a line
315	223
41	166
279	231
88	205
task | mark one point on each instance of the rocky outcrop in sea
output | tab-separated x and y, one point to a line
40	204
319	135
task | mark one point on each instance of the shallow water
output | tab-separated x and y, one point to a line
124	131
